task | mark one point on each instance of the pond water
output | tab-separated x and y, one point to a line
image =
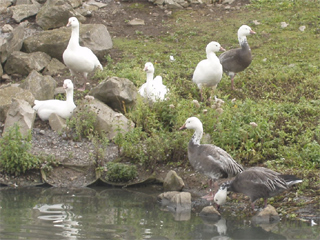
111	213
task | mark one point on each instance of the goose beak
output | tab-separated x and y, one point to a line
183	127
252	32
222	49
65	86
69	24
145	69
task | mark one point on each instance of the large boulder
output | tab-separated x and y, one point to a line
20	112
6	96
267	215
55	67
42	87
54	42
55	14
173	182
23	63
23	11
118	93
10	42
109	122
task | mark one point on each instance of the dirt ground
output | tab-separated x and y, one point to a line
76	162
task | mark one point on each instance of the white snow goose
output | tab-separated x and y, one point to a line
256	183
77	58
209	71
62	108
237	60
153	89
209	159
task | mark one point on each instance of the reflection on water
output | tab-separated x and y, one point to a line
100	213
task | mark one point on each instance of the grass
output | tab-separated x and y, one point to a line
279	91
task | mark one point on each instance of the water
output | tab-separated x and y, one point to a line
102	213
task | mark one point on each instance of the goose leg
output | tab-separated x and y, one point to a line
232	77
85	75
212	190
265	202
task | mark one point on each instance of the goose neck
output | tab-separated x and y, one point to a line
69	97
242	40
149	76
197	136
74	39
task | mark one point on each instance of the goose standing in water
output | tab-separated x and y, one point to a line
237	60
209	159
256	183
77	58
153	89
209	71
62	108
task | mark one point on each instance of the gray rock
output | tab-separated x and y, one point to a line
97	4
1	70
23	63
20	112
6	96
6	3
6	28
75	3
173	182
267	215
210	212
42	87
55	14
56	122
54	42
11	42
115	91
109	122
55	67
23	11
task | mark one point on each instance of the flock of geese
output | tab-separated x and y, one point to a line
208	159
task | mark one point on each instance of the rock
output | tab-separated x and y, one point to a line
1	70
56	122
75	3
11	42
173	182
97	4
136	22
179	203
210	212
118	93
267	215
109	122
6	96
23	63
42	87
20	112
55	14
6	3
55	67
54	42
7	28
23	11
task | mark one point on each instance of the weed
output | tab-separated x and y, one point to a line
15	157
119	172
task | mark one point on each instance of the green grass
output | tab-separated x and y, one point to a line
279	91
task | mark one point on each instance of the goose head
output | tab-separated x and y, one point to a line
245	30
148	67
220	197
214	47
67	84
192	123
73	22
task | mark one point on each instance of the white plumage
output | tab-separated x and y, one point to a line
209	71
62	108
153	89
77	58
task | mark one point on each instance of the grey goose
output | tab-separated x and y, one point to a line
256	183
208	159
237	60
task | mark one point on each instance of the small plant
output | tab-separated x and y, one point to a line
120	172
15	157
82	123
48	162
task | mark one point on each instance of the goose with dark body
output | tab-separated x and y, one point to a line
256	183
237	60
209	159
